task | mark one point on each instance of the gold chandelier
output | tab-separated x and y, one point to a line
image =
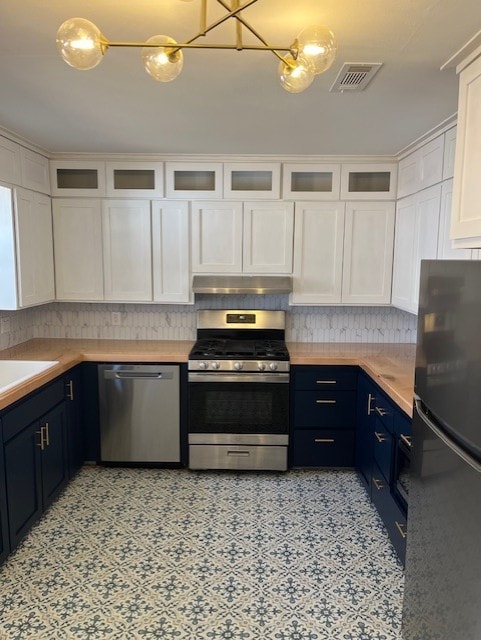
82	45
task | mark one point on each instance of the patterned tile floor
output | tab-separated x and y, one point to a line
141	554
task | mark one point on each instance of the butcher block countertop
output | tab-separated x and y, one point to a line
391	366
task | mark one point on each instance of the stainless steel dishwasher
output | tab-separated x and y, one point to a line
139	413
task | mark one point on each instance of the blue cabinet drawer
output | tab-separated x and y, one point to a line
323	448
326	378
383	449
325	409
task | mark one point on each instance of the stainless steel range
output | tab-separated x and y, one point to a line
239	391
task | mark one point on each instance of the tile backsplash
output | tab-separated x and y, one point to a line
177	322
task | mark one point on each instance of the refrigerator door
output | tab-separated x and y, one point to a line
442	598
448	357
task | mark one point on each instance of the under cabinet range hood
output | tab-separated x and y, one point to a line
231	284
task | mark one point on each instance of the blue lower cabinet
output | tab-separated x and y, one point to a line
323	448
391	514
4	538
383	449
35	457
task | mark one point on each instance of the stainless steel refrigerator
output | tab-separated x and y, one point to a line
443	564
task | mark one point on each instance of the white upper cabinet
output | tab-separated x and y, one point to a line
368	253
449	153
268	237
445	249
35	171
318	253
26	249
10	164
82	178
77	232
170	251
368	181
311	181
217	237
260	180
466	211
134	179
422	168
127	250
417	230
235	237
193	180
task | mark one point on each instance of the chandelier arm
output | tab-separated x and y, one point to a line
244	22
232	14
191	45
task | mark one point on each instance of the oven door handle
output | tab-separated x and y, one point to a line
278	378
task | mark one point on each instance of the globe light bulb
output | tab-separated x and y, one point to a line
318	44
163	63
295	75
80	43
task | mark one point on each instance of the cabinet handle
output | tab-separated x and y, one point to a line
407	440
370	400
324	440
243	454
70	389
378	484
47	435
382	412
401	528
326	381
325	401
380	436
41	444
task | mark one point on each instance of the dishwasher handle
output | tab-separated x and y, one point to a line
110	374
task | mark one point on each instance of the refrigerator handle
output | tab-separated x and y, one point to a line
455	448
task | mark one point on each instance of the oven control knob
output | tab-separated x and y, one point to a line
203	365
238	366
215	364
261	366
273	366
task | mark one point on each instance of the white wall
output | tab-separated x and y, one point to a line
177	322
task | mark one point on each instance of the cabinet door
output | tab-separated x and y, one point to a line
318	247
127	250
35	171
216	237
134	179
194	180
78	178
4	542
368	181
77	230
311	181
170	245
74	418
268	237
368	253
24	481
449	153
428	203
408	175
35	271
466	214
404	258
252	180
445	248
431	162
10	167
365	420
54	453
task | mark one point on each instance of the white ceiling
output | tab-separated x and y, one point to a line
230	102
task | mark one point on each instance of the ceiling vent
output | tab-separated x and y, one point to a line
355	76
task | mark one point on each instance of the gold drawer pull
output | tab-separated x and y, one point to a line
382	412
370	399
41	444
401	528
380	436
325	401
324	440
70	389
326	381
378	484
407	440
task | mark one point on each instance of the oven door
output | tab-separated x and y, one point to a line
239	403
